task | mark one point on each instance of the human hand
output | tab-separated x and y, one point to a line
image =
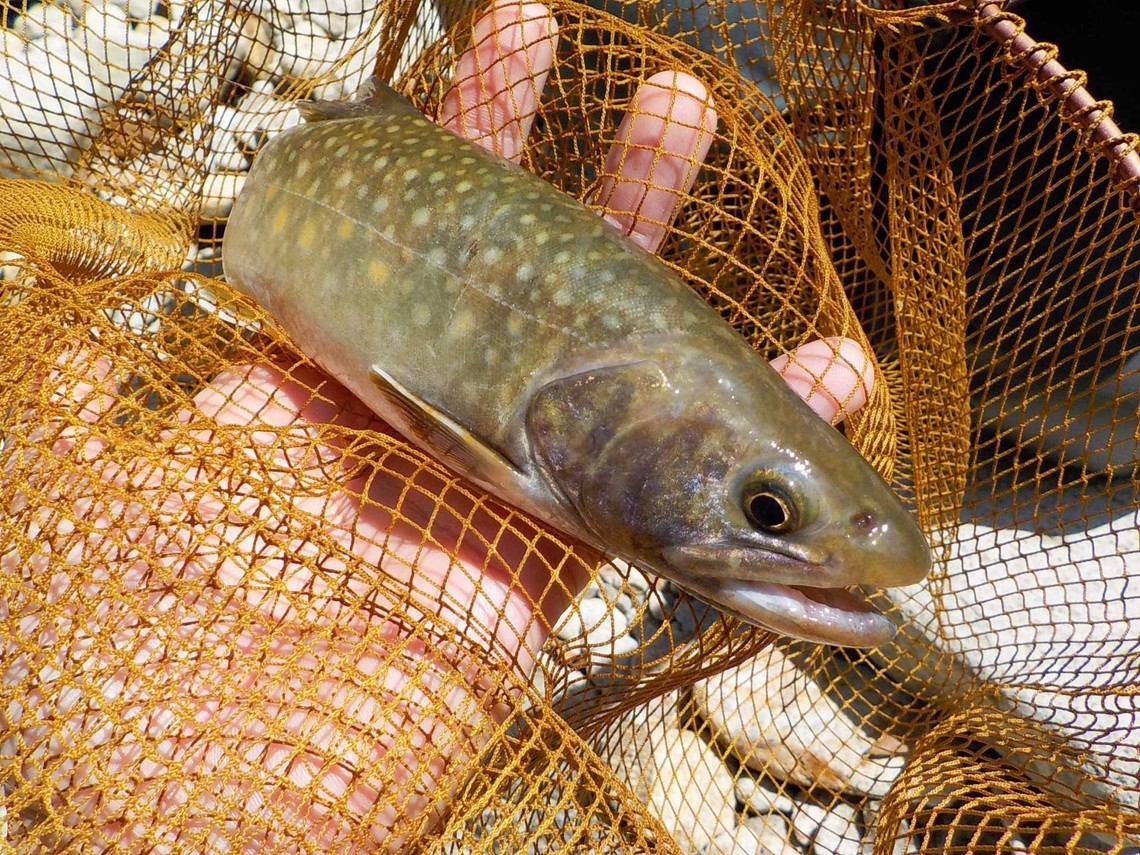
280	646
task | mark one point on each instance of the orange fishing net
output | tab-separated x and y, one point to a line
236	614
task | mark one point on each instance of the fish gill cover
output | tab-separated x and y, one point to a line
238	615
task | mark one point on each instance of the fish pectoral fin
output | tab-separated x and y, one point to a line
375	97
454	444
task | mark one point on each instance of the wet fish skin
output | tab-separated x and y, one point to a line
509	331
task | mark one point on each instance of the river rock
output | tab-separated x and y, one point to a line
777	720
1047	624
827	830
755	836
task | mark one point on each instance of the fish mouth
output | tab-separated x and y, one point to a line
825	615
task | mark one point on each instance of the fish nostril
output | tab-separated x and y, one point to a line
864	520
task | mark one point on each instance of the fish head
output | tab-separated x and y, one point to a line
723	480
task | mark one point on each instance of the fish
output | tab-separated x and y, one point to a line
511	333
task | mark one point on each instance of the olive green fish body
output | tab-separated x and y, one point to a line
510	331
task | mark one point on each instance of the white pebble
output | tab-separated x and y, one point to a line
760	799
225	152
828	830
569	626
219	193
140	10
41	19
755	836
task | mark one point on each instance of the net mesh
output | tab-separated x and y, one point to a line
238	614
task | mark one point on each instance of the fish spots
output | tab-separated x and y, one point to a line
411	174
421	315
280	220
516	324
463	187
341	151
437	256
492	356
524	273
528	220
563	296
308	234
436	176
380	204
611	320
562	256
380	163
429	153
346	229
461	325
378	271
410	194
421	217
344	179
466	222
540	239
492	255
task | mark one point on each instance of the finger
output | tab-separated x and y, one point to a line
660	146
498	81
834	375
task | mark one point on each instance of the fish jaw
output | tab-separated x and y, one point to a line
825	615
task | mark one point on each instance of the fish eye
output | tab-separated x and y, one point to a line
770	509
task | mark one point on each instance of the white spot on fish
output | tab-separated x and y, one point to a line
611	321
527	220
524	272
421	314
562	257
541	238
380	163
437	256
410	194
562	297
463	187
492	254
436	176
380	204
412	174
466	221
421	217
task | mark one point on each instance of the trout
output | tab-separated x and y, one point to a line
518	338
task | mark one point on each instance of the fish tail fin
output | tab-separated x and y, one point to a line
375	97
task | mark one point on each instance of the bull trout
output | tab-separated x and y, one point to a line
518	338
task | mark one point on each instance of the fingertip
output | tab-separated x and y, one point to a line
833	375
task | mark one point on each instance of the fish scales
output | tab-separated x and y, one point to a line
491	272
511	332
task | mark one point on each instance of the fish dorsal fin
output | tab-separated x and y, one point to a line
374	98
448	440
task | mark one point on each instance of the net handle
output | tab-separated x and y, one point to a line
1078	106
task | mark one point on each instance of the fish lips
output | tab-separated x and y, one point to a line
827	615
